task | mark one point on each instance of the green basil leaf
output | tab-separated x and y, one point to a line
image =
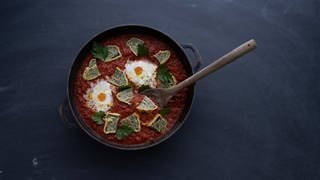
97	117
99	51
164	76
165	111
143	87
121	88
123	132
142	51
100	122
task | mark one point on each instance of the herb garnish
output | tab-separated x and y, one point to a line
164	76
97	117
142	51
123	131
99	51
143	87
121	88
164	111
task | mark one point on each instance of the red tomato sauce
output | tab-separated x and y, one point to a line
146	134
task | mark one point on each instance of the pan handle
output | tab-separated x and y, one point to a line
64	113
196	55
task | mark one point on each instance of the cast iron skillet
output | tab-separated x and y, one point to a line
124	29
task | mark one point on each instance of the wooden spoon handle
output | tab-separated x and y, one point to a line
219	63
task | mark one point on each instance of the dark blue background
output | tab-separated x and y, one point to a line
258	118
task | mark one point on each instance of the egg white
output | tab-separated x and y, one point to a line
148	75
103	88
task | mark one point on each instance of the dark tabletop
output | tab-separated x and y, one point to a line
258	118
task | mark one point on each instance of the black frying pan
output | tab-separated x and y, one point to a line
125	29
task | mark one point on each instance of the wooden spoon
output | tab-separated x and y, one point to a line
163	95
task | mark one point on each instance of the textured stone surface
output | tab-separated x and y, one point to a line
258	118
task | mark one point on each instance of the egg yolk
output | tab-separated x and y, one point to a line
138	70
102	97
